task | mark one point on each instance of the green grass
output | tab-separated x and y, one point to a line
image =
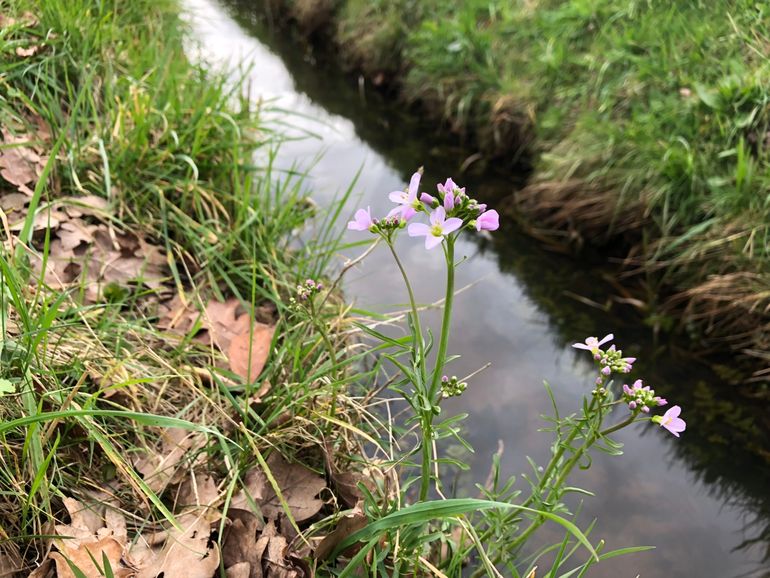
646	121
186	163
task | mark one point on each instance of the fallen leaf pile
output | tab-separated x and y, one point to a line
299	486
86	253
255	544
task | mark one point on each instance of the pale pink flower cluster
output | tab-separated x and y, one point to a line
640	398
449	211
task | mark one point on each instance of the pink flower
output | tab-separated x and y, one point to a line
439	228
407	201
593	344
449	201
362	220
488	221
448	188
429	200
671	420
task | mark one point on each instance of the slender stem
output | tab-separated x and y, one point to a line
565	472
412	305
426	421
449	252
332	356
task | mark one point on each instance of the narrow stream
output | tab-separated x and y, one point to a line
702	500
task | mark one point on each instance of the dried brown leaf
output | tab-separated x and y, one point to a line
347	526
240	570
346	487
45	570
241	542
90	536
298	484
190	551
248	351
74	232
158	467
26	52
13	202
222	323
198	490
20	163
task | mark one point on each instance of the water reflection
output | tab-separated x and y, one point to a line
702	499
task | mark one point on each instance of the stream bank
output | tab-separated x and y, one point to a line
653	164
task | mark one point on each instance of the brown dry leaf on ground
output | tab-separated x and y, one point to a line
20	163
347	526
45	570
92	534
189	552
249	552
298	484
158	468
26	52
248	351
242	547
84	253
246	344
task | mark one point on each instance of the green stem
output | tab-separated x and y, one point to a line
332	355
449	252
565	472
412	305
425	404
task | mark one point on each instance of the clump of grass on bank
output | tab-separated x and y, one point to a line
115	387
647	124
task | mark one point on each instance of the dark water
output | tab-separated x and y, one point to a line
703	500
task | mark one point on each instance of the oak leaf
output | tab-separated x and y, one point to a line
91	535
299	487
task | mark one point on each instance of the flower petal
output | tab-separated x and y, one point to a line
672	413
606	338
414	184
396	211
449	201
418	229
398	197
437	216
432	241
451	224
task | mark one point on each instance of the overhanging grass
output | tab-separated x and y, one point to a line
647	122
185	162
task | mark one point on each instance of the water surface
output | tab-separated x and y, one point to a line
698	499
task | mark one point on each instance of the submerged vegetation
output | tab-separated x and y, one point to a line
646	124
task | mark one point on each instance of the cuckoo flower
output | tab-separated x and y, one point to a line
448	188
671	420
488	221
439	228
449	201
593	344
362	220
407	201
